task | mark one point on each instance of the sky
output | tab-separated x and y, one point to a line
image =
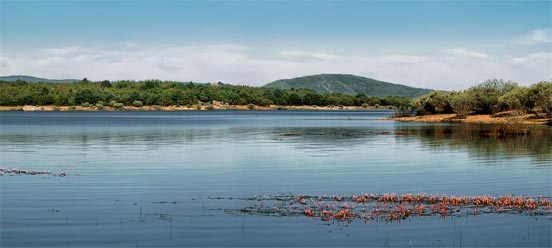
449	45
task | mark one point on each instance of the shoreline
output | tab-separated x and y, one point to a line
528	119
195	107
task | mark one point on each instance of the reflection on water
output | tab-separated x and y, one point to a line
478	141
146	178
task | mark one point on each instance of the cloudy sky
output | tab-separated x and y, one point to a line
432	44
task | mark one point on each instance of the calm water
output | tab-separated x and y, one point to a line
146	178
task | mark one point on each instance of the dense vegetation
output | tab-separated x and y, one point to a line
153	92
489	97
348	84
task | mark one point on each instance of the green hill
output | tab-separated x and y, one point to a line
31	79
348	84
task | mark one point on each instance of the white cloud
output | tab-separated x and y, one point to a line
466	53
455	68
304	55
543	58
537	36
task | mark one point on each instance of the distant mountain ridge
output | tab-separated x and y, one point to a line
348	84
32	79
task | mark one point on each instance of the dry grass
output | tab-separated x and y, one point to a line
506	120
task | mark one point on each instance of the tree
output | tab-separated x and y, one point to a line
105	84
462	104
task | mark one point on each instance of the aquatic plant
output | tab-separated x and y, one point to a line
17	171
391	207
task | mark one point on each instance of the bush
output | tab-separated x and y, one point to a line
118	105
137	103
86	104
516	99
99	106
251	106
462	104
436	102
541	95
365	105
486	95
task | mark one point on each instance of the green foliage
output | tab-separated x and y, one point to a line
461	103
541	96
489	97
105	84
251	106
118	105
486	95
436	102
154	92
518	99
347	84
137	103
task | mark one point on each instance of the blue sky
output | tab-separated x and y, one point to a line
446	45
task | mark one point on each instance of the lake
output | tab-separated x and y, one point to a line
173	179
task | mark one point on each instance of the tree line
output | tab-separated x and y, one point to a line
489	97
167	93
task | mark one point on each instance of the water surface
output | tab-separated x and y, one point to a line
145	178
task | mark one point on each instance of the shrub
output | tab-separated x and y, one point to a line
118	105
462	104
112	103
516	99
105	84
541	95
251	106
99	106
156	107
365	105
86	104
137	103
434	103
486	95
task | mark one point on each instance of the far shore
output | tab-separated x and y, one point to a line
528	119
203	107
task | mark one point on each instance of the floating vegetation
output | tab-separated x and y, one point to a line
16	171
391	207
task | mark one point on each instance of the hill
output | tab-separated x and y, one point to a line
348	84
31	79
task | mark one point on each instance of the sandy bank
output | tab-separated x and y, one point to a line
529	119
